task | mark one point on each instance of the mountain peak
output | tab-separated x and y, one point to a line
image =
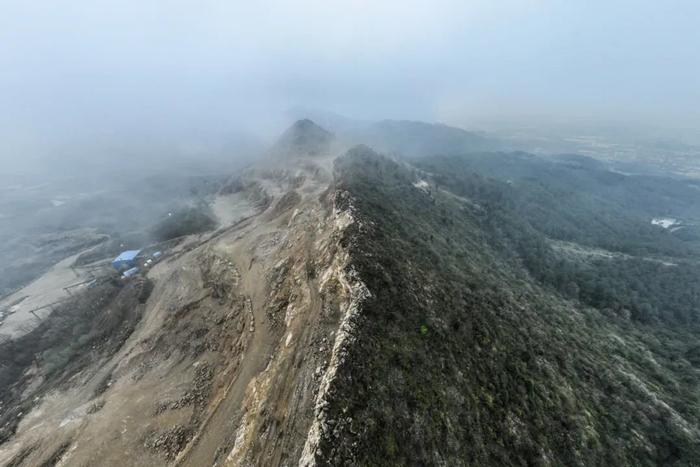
304	138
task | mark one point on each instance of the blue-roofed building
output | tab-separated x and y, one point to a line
125	260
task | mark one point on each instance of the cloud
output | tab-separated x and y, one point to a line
80	68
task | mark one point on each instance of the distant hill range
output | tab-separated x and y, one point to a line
405	138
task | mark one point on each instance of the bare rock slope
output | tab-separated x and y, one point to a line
237	342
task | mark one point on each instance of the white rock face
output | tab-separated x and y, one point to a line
665	222
422	185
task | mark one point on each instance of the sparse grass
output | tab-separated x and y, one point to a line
56	456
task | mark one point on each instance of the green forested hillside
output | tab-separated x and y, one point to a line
467	353
577	199
651	273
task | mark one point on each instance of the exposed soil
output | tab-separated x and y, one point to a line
226	363
22	310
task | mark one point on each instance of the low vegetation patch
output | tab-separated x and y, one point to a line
185	221
89	326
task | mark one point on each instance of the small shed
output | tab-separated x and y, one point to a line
125	260
130	272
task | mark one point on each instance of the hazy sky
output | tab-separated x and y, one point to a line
84	68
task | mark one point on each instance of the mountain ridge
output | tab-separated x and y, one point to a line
358	309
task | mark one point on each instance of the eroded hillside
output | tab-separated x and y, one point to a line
235	345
